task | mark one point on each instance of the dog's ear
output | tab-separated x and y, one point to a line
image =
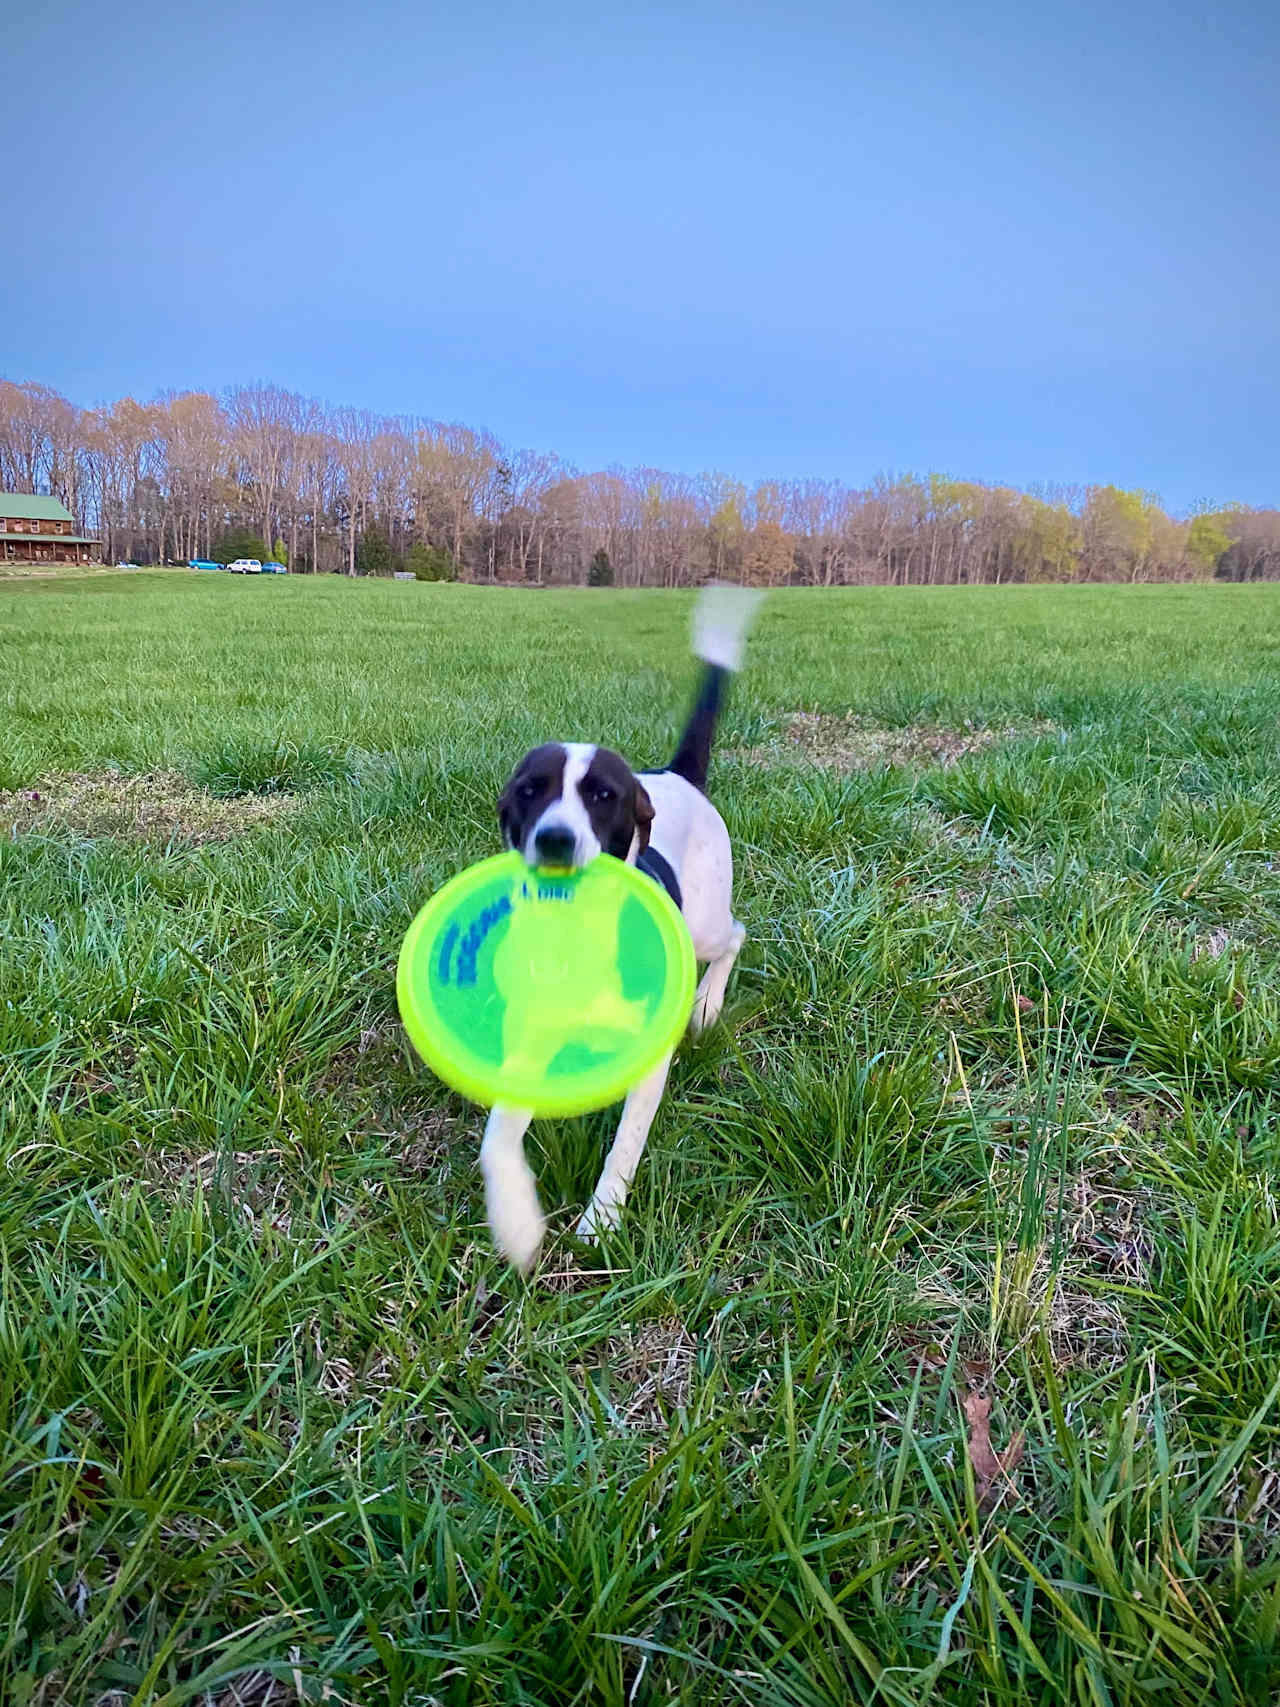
644	817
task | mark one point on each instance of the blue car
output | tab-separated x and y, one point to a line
202	563
274	569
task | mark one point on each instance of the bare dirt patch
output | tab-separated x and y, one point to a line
159	806
852	742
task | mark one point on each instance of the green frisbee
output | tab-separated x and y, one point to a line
554	991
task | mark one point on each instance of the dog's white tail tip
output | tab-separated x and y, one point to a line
722	619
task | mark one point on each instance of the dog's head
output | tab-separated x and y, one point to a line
565	803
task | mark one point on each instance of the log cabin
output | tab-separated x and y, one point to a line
40	530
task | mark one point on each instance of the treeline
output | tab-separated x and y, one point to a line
346	491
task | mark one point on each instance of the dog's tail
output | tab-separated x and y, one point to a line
721	619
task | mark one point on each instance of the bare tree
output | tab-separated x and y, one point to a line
355	433
37	436
317	474
454	467
194	433
265	422
179	473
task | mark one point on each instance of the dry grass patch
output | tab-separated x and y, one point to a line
430	1143
1087	1330
1084	1325
260	1689
650	1369
158	806
57	571
852	742
252	1182
1107	1227
365	1063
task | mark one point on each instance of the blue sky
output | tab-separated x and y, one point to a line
1007	242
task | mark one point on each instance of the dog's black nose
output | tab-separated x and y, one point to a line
554	845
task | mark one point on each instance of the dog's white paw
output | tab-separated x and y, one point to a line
599	1217
520	1240
511	1198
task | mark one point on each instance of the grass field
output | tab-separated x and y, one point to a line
987	1142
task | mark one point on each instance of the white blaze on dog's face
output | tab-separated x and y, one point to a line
567	802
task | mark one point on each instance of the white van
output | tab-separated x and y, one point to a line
245	566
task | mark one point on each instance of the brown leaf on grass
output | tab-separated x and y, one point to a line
988	1465
90	1486
924	1357
1025	1004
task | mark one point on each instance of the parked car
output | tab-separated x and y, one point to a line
245	566
274	569
202	563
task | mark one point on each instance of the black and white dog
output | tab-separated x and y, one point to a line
566	802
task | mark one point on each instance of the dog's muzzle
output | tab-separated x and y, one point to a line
555	845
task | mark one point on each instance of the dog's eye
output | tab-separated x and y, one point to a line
602	793
527	791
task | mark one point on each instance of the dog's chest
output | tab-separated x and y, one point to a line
659	867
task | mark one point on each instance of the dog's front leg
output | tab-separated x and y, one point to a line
510	1190
625	1153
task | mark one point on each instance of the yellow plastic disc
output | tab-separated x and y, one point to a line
547	990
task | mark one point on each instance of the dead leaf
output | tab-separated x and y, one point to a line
1025	1004
988	1465
90	1486
924	1357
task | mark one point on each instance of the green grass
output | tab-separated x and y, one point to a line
995	1105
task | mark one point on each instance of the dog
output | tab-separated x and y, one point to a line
567	802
